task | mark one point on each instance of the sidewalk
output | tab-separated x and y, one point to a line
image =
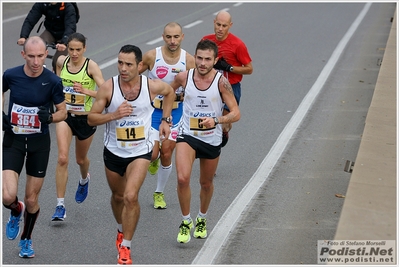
370	207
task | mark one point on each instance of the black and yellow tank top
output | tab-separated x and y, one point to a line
76	101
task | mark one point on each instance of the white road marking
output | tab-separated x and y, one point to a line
193	24
155	41
224	9
14	18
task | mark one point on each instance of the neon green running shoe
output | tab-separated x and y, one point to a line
159	200
200	228
184	233
154	166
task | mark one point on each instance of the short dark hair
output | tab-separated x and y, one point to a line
207	45
78	37
127	49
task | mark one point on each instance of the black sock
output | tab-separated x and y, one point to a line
30	221
14	207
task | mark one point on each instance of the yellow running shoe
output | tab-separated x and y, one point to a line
159	200
184	232
200	228
154	166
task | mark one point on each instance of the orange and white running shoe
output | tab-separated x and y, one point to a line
124	257
119	239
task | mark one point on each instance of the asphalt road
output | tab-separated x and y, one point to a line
291	44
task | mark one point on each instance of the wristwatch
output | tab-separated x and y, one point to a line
167	119
231	68
216	120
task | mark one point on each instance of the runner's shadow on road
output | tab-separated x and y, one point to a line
57	224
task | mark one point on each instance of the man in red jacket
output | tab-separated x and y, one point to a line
234	59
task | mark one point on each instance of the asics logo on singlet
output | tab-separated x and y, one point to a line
129	123
25	110
202	114
68	89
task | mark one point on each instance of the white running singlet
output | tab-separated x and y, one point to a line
202	103
129	136
166	73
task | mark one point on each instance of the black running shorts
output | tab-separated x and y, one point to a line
79	126
35	149
119	165
202	150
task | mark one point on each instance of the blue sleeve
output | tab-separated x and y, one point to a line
58	93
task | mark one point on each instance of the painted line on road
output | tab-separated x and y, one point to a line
108	63
155	41
220	233
224	9
186	26
14	18
193	24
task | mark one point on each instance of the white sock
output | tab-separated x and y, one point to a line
163	177
84	181
120	227
126	243
201	215
187	217
60	201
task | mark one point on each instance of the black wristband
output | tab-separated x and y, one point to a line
50	119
